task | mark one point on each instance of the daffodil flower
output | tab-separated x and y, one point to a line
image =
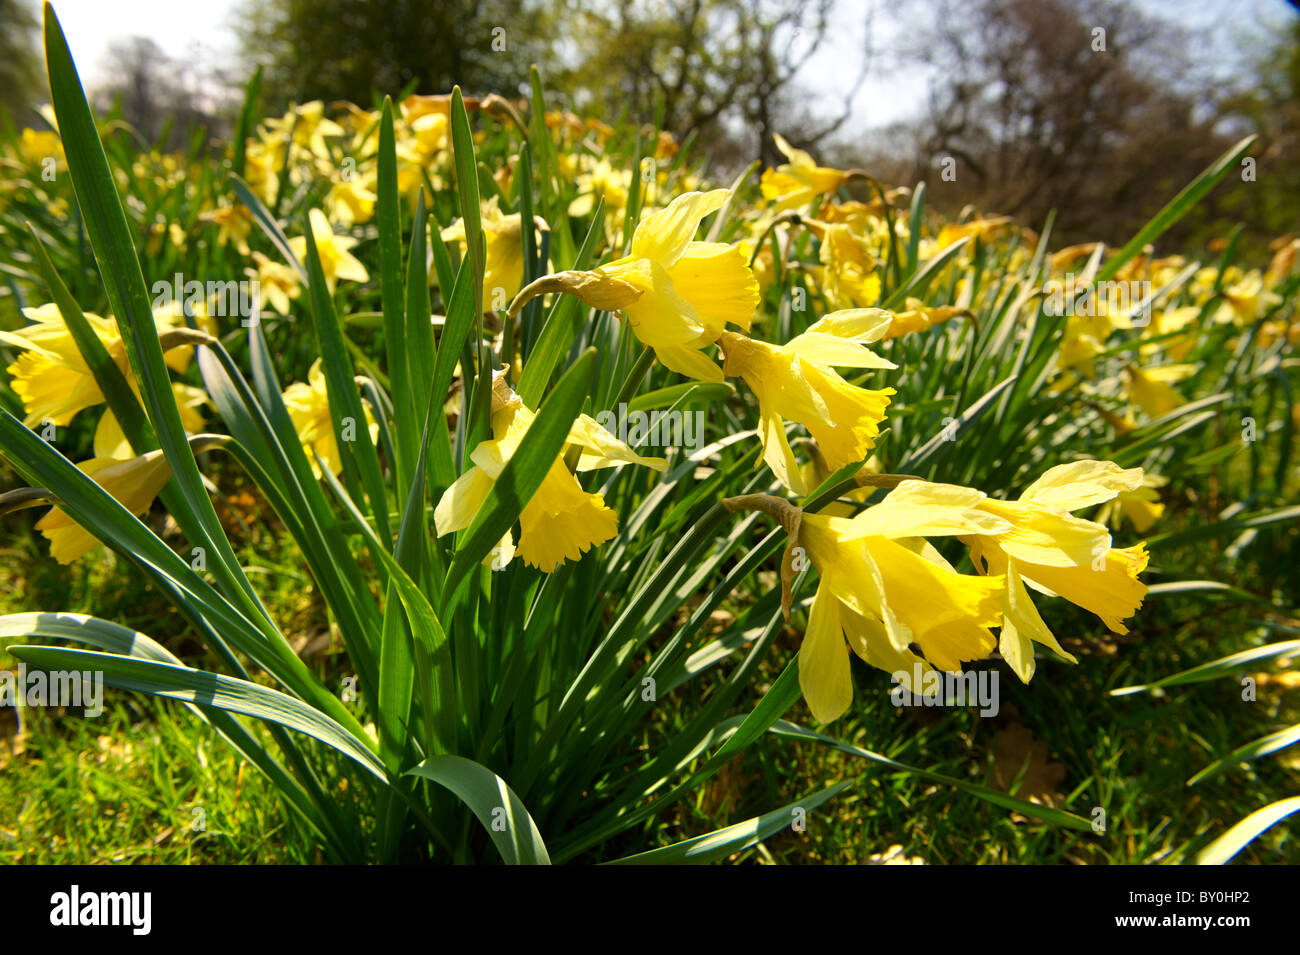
51	378
561	521
277	284
918	317
504	265
677	294
847	275
350	201
798	181
980	228
335	259
233	222
884	589
1140	506
795	381
111	442
1152	390
134	483
309	409
1050	550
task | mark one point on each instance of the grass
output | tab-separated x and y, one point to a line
123	787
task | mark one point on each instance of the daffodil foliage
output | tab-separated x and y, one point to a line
535	400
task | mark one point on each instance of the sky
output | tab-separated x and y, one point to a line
202	30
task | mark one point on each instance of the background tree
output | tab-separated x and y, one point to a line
158	95
349	50
22	85
725	70
1088	107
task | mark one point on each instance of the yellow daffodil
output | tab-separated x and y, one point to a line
134	483
981	228
1140	506
677	294
603	181
1247	300
111	442
918	317
796	381
503	236
335	259
309	128
277	284
885	591
36	146
561	521
1061	555
798	181
350	202
1151	388
50	376
309	408
847	276
233	222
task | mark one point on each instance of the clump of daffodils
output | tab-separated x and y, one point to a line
930	577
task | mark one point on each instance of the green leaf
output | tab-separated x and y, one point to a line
344	399
1222	849
1264	746
119	268
524	472
462	145
1176	208
1216	668
1047	814
207	689
722	843
501	812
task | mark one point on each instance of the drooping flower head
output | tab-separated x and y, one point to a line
561	521
796	381
1049	549
676	294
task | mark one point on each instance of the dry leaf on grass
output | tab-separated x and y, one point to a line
1016	747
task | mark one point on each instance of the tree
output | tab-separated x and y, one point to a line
352	49
1088	107
22	85
726	70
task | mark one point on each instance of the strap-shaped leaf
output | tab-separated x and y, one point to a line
524	472
207	689
502	813
722	843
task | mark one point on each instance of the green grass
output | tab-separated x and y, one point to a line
122	787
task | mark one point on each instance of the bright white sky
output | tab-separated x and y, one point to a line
202	30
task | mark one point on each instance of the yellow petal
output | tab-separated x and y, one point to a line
461	502
1068	487
663	236
831	350
824	674
716	280
562	522
689	362
925	509
1113	592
